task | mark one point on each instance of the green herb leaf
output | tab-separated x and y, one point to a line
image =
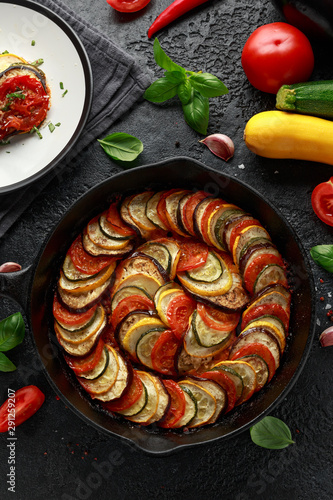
163	60
196	112
12	330
184	91
175	76
5	364
323	256
121	146
208	85
271	433
161	90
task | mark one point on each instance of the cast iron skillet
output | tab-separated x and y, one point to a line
37	282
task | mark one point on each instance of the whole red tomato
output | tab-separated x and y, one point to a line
276	54
128	5
19	407
322	201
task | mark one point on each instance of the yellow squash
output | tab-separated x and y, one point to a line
280	134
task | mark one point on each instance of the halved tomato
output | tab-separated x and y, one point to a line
226	382
193	254
254	268
164	352
178	313
217	319
64	316
85	262
81	365
272	309
322	201
129	398
129	304
177	404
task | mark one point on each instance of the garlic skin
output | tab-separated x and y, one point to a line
220	145
10	267
326	338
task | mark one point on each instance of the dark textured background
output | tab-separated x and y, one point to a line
58	455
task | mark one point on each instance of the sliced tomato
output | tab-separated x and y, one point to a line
84	364
62	314
21	406
238	228
85	262
226	382
117	223
129	304
211	207
322	201
178	313
262	351
164	352
161	207
129	398
128	5
188	210
254	268
260	310
193	254
219	320
177	405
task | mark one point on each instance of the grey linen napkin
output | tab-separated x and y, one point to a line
118	82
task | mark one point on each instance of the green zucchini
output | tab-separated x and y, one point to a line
309	98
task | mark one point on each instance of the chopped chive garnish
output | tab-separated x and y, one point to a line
63	95
5	52
18	95
58	124
35	129
61	85
4	142
51	127
38	62
33	43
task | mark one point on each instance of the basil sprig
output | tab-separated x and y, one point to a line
323	256
193	89
121	146
12	330
271	433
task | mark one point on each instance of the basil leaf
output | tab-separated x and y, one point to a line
196	112
323	256
271	433
121	146
5	364
208	85
12	330
163	60
161	90
175	76
184	91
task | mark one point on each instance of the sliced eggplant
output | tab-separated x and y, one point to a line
140	280
18	69
260	367
260	336
159	252
95	250
270	274
255	231
139	405
255	251
72	273
273	325
171	210
272	296
219	394
230	213
198	214
101	240
149	410
83	301
234	376
230	225
129	321
180	219
248	375
139	264
214	224
137	211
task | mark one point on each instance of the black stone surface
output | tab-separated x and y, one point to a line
59	456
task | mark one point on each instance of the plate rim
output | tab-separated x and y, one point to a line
88	79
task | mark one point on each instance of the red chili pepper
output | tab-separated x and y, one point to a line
171	13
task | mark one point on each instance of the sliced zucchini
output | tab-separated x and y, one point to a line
191	408
219	394
127	291
150	409
129	321
79	287
108	230
151	211
99	368
209	272
171	209
221	222
270	297
233	375
180	219
213	220
260	367
175	252
121	382
138	406
169	285
83	348
164	401
78	327
145	345
102	240
159	252
73	274
273	325
254	242
134	333
82	301
205	335
231	223
103	383
262	249
261	336
198	214
195	350
96	250
270	274
255	231
206	403
18	69
81	335
248	375
164	300
137	211
143	281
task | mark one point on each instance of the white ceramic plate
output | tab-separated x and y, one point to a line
31	31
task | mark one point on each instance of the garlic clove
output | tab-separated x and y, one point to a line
10	267
326	338
221	145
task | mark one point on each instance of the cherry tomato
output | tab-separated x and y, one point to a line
262	309
21	406
193	254
276	54
64	316
129	304
216	319
178	313
322	201
128	5
262	351
85	262
113	217
82	365
129	398
164	352
257	265
177	404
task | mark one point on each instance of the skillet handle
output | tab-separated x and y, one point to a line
16	285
